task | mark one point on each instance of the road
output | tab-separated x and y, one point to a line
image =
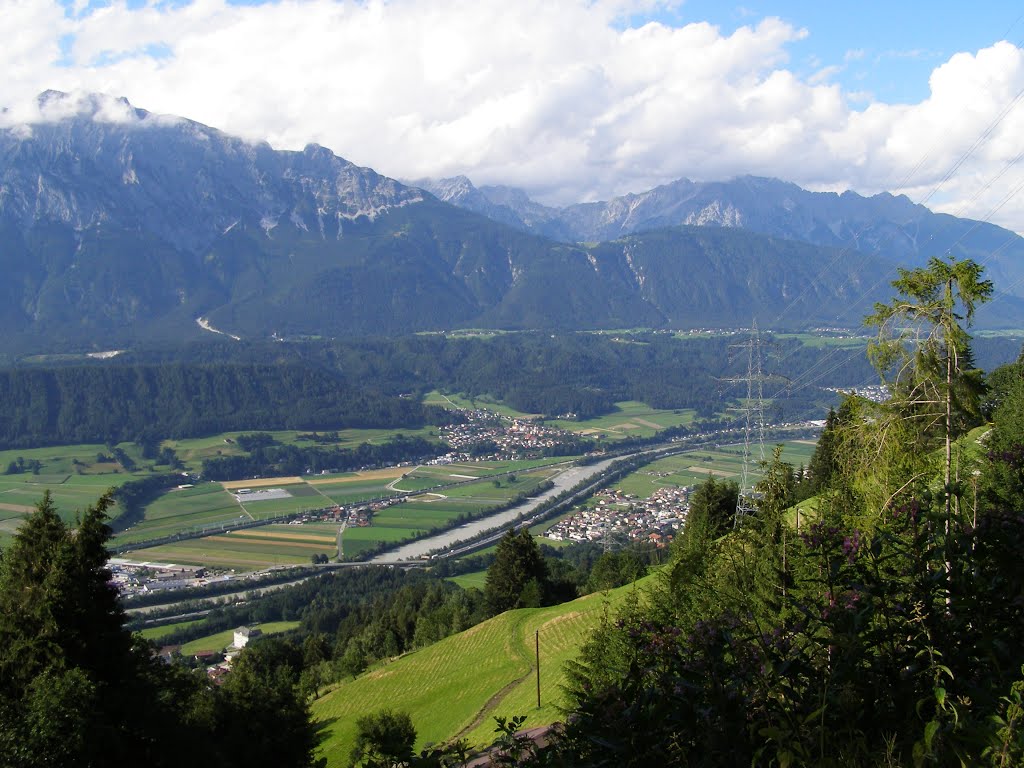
562	482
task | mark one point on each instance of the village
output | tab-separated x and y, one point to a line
486	435
624	516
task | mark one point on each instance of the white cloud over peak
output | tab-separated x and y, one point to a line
565	99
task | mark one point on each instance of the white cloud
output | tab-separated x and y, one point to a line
563	98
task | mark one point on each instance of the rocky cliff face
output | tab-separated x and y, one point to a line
107	163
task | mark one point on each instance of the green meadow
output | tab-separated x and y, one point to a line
694	467
193	451
820	340
630	419
448	400
486	671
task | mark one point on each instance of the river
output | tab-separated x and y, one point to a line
563	481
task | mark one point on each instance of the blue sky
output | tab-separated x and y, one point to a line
896	45
571	100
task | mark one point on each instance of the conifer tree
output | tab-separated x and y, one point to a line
518	576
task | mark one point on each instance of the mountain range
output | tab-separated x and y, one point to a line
891	227
119	226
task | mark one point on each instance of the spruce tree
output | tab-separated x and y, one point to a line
518	577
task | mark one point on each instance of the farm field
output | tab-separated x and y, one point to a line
691	468
205	505
222	640
482	672
70	492
632	419
249	549
215	505
193	451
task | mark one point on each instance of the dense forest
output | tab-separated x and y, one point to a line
205	389
208	388
99	403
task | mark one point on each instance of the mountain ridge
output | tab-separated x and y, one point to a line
889	226
120	226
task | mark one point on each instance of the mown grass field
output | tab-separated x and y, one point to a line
207	504
476	579
485	671
157	633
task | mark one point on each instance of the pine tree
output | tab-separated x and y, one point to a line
518	577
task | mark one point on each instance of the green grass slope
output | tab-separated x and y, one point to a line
455	687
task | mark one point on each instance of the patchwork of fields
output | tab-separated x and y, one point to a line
70	492
249	549
213	506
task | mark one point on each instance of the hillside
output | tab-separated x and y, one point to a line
455	687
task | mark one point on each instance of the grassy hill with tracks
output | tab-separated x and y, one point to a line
454	688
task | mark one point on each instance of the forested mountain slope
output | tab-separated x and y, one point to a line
121	226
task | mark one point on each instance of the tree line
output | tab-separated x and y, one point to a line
150	395
269	460
148	403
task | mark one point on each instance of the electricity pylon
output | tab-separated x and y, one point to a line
753	431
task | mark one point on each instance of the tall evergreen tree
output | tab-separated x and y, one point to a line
518	576
78	689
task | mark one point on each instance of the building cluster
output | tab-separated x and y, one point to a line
511	438
876	393
132	578
216	663
624	516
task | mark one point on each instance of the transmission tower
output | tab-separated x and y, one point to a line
753	432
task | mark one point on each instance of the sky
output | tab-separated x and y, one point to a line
571	100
